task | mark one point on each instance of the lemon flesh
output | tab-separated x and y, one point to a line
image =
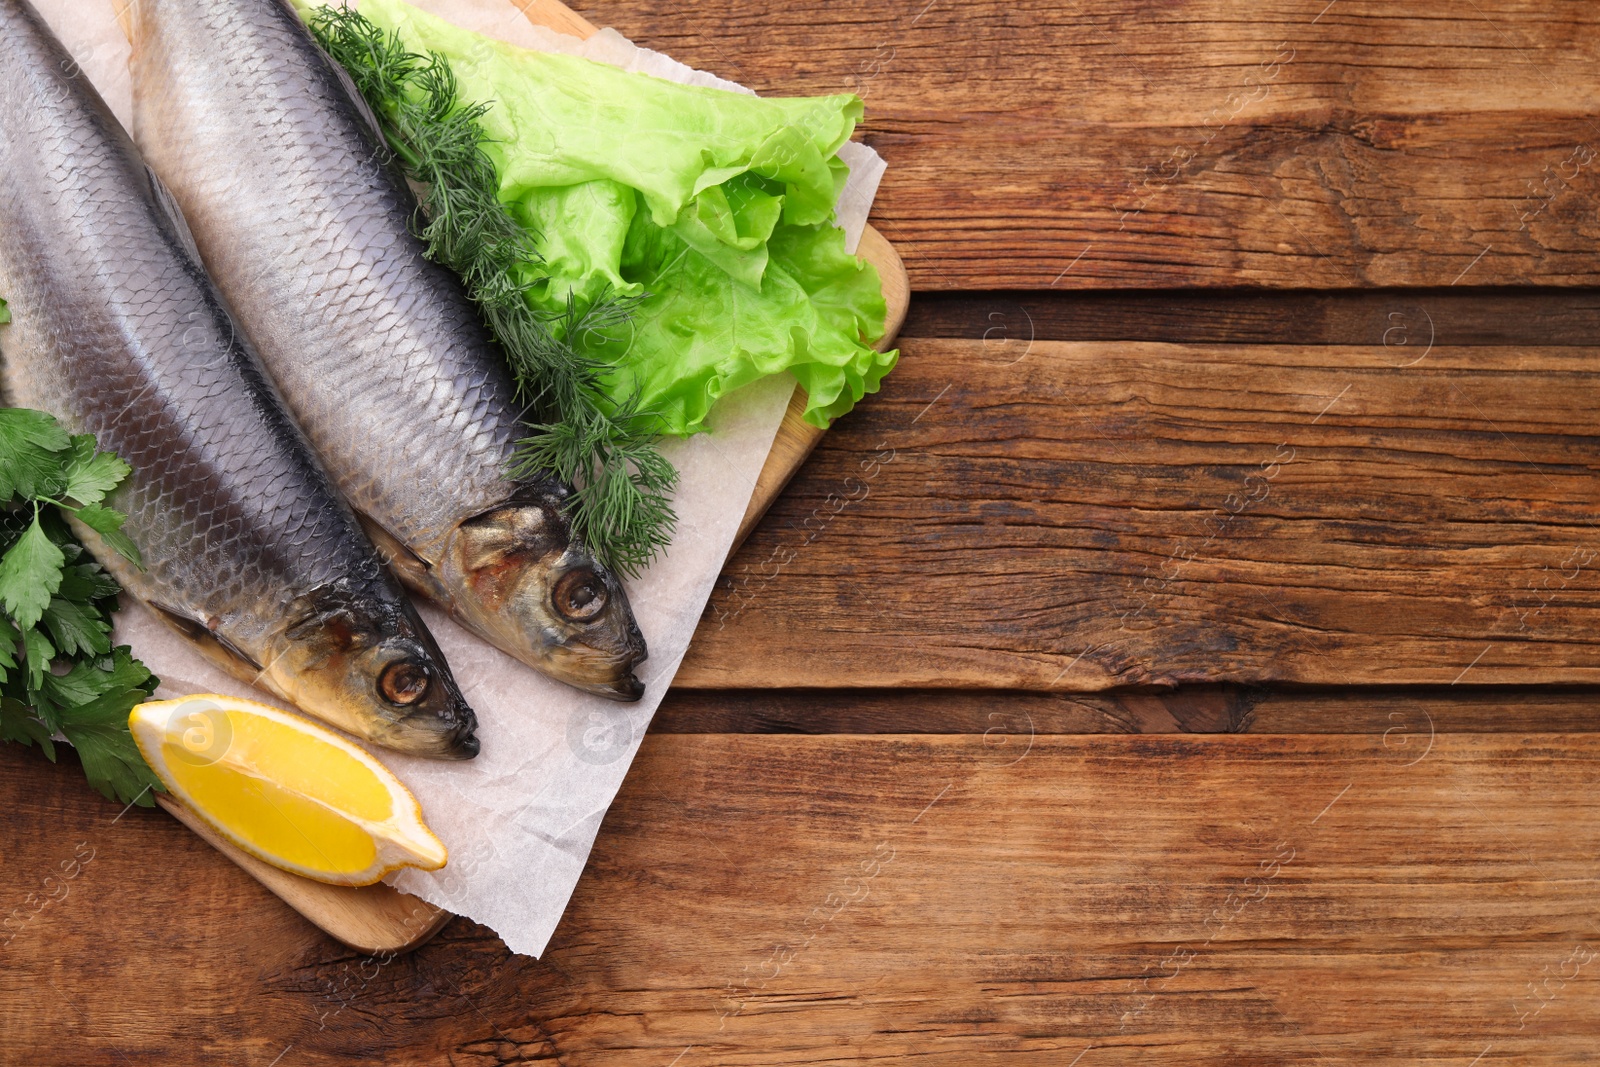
286	790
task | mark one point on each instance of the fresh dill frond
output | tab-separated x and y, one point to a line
607	450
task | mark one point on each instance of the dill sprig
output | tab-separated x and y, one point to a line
607	450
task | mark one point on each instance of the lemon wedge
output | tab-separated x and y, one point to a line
284	789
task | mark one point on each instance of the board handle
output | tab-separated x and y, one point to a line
373	919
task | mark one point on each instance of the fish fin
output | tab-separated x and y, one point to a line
511	534
217	648
411	568
169	207
334	620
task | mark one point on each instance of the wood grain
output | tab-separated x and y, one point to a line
1081	516
1459	316
1107	144
756	900
554	15
371	919
1405	715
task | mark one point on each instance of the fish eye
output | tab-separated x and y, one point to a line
580	595
404	683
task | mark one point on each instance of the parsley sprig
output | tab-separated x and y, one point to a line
59	674
608	450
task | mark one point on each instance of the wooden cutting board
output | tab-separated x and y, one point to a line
379	920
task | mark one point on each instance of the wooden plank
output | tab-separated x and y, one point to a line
1109	144
1082	516
1339	317
1192	709
1406	715
758	900
554	15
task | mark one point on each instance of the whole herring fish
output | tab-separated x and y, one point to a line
304	225
248	549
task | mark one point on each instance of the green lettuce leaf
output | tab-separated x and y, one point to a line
717	205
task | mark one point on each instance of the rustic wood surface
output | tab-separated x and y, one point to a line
1197	709
1079	516
1334	899
1115	144
984	753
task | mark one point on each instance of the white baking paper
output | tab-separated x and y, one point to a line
520	819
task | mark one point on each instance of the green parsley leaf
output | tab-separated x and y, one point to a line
90	474
77	628
18	724
107	522
99	731
88	680
30	463
9	636
39	652
128	672
30	574
5	313
86	582
59	674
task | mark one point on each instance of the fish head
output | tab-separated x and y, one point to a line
364	661
517	576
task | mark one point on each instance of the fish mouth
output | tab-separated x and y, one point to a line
604	671
425	735
443	726
628	688
458	744
601	672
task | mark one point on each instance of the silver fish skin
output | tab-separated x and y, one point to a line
304	224
116	330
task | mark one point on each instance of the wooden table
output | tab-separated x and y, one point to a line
1190	656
